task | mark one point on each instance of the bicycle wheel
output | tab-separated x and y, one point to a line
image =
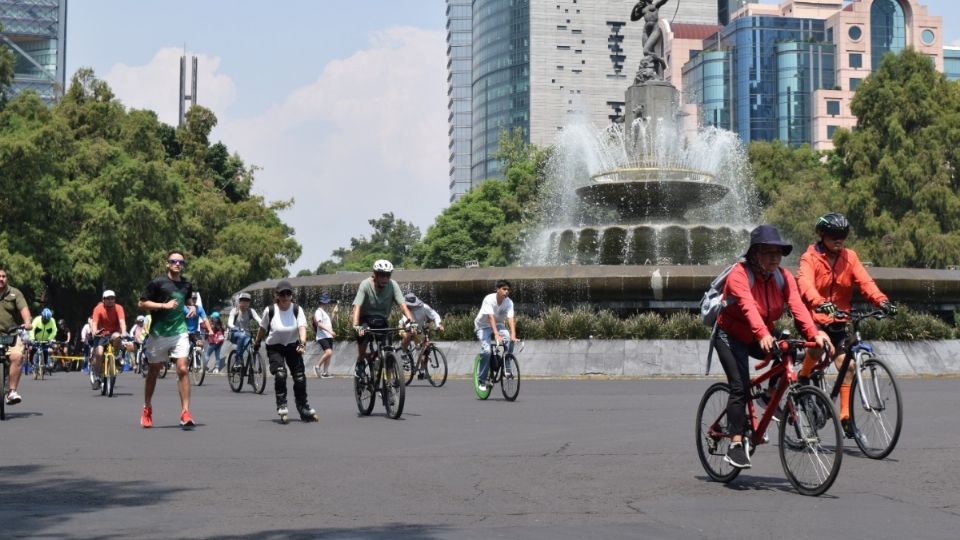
198	368
94	377
234	372
436	366
105	373
363	388
810	419
476	380
877	415
3	399
713	435
258	373
408	368
510	382
142	365
166	367
394	389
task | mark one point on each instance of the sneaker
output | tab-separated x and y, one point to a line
215	371
508	374
737	456
146	417
13	398
420	375
186	420
482	387
326	375
307	413
849	430
282	410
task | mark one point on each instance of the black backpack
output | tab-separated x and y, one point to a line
270	310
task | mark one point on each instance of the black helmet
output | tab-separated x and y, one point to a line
833	224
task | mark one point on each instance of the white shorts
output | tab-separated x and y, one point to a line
161	348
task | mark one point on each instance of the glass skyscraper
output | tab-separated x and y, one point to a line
36	31
951	63
460	79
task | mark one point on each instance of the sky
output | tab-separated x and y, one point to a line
340	104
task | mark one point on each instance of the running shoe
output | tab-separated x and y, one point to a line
146	417
737	456
13	398
186	420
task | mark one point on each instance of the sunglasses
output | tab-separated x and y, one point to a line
382	274
285	293
176	262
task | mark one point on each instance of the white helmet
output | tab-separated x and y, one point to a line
383	265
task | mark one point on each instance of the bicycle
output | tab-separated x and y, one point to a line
874	389
197	366
509	379
106	378
379	370
6	341
41	358
251	367
810	441
428	355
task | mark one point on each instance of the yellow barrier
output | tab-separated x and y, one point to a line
64	359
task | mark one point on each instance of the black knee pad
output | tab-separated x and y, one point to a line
280	372
299	376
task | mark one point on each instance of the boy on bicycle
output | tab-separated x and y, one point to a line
376	296
495	309
239	323
422	314
828	271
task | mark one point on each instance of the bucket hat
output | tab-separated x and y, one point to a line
324	298
411	300
769	235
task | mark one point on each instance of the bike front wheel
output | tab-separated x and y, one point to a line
436	366
811	444
408	366
393	387
713	434
258	373
234	372
877	412
363	388
198	368
481	394
510	380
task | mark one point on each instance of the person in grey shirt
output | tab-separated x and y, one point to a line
375	298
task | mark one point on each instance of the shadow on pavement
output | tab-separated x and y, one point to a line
383	532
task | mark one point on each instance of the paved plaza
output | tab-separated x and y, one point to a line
570	459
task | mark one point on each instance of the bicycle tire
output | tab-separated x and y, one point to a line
510	385
258	373
363	389
41	366
393	387
142	366
408	368
436	366
809	416
234	372
875	435
4	367
481	395
166	367
111	384
710	448
198	369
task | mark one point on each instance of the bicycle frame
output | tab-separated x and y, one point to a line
853	345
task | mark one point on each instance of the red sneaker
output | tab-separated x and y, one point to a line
146	418
186	420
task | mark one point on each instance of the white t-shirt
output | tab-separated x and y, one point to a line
489	306
322	320
284	326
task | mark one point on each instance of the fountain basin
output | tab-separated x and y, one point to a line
643	193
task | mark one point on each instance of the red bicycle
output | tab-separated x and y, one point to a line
810	440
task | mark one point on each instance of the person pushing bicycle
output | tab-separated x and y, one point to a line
826	277
422	315
745	324
495	310
376	296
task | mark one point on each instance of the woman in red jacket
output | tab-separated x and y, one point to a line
828	271
745	326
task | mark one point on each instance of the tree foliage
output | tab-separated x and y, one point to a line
95	195
392	239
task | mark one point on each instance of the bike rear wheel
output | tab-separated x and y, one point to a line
166	367
476	380
198	368
812	459
393	387
510	382
436	366
878	418
234	372
363	388
258	373
408	366
713	434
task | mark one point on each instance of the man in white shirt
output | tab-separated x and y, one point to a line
422	314
323	326
496	309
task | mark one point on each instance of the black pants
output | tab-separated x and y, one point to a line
281	358
735	359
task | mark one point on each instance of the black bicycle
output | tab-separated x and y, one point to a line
427	355
504	369
251	368
41	358
380	371
196	366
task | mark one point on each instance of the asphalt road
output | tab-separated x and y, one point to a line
568	459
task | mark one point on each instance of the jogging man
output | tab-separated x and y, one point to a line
376	296
165	297
12	303
495	309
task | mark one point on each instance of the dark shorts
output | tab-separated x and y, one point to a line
371	322
100	341
325	343
836	333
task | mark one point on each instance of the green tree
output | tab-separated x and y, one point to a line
392	239
7	63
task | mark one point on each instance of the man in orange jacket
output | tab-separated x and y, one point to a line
828	271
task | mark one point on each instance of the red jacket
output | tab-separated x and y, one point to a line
819	282
752	316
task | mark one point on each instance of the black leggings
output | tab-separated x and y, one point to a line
735	360
282	356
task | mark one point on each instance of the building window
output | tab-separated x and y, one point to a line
928	37
833	107
855	33
830	131
561	27
854	83
856	60
563	47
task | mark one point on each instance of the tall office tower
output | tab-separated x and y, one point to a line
36	32
460	79
726	8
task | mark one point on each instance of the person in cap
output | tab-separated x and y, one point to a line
107	323
323	326
64	336
164	298
215	341
423	314
137	331
827	275
283	327
745	327
238	324
375	298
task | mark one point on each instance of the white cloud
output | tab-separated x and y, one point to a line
956	43
368	136
156	85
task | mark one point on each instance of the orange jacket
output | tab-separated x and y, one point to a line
820	283
752	316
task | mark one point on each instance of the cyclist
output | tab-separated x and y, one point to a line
496	308
421	313
138	332
194	322
828	272
215	342
63	336
164	298
285	328
745	327
107	323
376	296
12	303
325	334
239	324
44	328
